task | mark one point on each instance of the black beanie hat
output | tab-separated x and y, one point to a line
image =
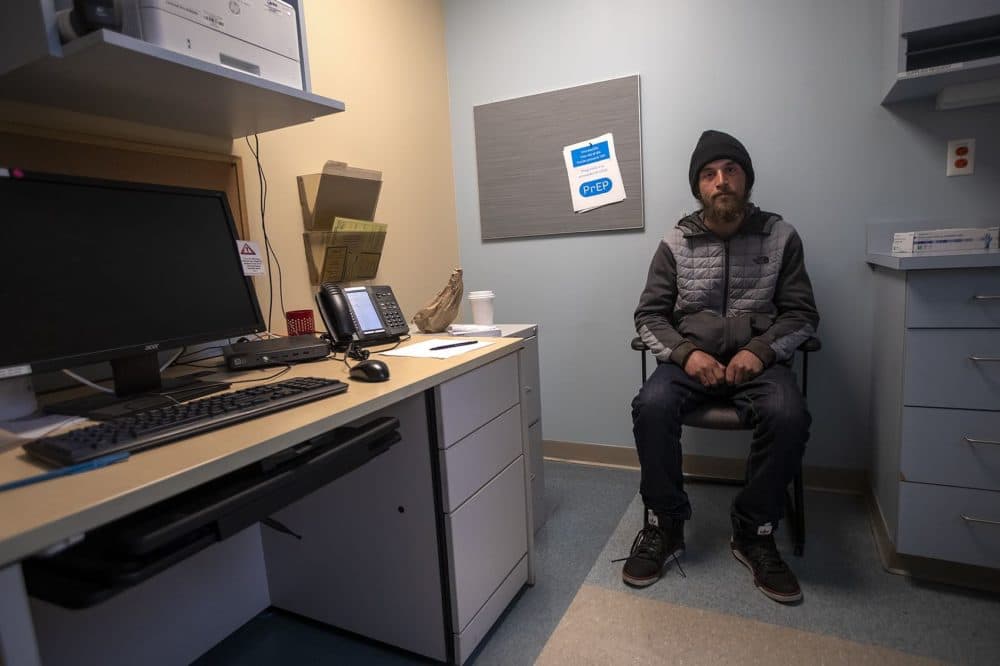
714	145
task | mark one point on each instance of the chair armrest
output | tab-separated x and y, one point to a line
810	345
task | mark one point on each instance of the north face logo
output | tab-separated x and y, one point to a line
765	529
761	260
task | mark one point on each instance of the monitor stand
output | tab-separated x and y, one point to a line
138	387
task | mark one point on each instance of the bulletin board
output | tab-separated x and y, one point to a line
524	189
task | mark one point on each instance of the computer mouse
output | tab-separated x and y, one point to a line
370	370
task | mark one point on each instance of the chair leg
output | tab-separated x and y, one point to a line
791	516
795	514
799	516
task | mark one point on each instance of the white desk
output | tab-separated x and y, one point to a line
423	547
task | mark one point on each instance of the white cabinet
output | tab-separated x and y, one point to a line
936	412
484	498
926	14
531	404
948	49
385	555
112	74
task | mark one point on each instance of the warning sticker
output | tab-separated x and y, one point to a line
250	256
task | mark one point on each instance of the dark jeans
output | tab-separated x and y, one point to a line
771	403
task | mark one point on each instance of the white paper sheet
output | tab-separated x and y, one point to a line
473	330
425	348
594	177
34	427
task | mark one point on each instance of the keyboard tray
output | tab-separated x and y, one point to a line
123	553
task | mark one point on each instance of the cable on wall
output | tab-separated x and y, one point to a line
268	249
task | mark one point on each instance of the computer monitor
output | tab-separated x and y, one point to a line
101	270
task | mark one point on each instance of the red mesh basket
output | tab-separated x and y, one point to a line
300	322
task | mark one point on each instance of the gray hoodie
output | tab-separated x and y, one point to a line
750	292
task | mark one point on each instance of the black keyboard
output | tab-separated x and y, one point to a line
143	430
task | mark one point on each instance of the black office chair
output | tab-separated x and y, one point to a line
722	415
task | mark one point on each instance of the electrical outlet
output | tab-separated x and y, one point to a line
961	157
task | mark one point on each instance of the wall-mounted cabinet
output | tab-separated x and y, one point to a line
112	74
945	50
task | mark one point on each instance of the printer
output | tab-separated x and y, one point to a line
258	37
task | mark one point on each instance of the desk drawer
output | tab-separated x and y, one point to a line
941	373
469	638
935	448
469	401
953	298
931	523
477	458
487	537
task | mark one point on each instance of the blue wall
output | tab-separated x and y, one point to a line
799	83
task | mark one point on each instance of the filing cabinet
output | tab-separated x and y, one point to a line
936	412
473	447
483	479
531	403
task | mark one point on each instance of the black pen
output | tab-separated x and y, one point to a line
455	344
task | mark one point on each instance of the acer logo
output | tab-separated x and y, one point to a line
151	347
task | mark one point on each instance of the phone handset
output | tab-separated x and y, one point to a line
333	309
364	315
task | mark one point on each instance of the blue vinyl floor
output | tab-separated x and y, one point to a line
593	514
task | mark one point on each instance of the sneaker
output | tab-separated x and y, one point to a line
657	541
770	573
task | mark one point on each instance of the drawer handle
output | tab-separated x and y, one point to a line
990	297
970	519
990	359
970	440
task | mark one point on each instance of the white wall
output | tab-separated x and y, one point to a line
386	61
799	83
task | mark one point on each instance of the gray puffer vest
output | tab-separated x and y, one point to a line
750	291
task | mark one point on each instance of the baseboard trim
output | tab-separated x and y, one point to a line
836	479
590	454
924	568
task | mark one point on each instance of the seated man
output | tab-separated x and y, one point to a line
727	301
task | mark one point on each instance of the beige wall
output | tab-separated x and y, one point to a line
385	59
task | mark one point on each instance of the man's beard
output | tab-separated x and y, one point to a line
725	209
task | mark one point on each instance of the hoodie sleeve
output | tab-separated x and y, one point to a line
656	304
797	317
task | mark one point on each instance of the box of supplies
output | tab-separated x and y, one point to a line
945	240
